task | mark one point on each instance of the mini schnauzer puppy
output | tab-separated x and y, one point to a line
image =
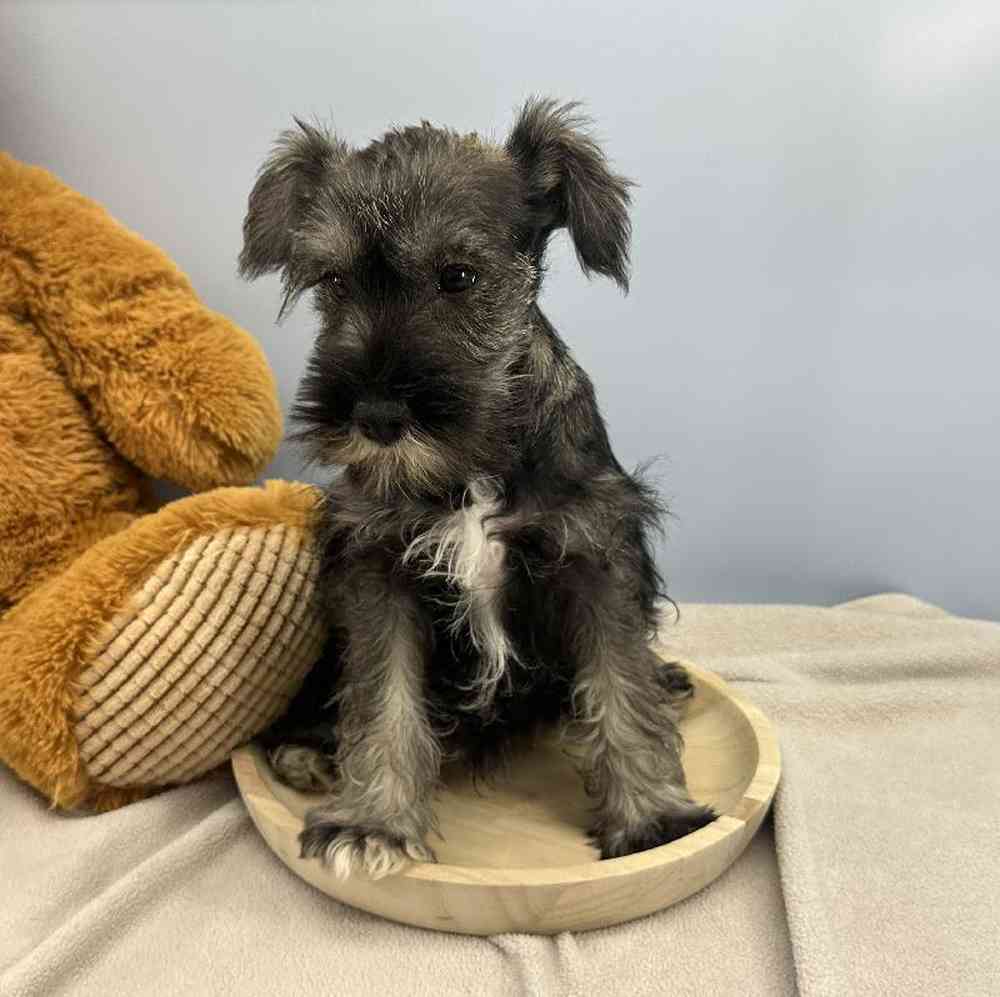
486	560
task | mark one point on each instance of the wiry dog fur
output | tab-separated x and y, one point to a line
487	561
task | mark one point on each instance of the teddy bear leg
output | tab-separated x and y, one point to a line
162	648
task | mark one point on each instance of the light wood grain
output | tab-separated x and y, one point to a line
515	856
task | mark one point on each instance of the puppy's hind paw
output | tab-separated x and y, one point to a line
370	851
302	768
675	681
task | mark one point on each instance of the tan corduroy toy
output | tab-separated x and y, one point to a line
137	647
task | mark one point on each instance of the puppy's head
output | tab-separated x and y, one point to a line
423	253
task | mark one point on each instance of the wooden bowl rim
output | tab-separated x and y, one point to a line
756	797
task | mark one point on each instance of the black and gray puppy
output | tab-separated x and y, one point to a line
487	565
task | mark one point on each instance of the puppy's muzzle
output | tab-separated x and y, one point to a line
381	420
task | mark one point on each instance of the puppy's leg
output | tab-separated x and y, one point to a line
387	757
625	720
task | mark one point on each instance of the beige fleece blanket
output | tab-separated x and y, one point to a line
879	875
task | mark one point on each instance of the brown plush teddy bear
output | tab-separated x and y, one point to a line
137	647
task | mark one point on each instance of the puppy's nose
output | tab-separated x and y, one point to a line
382	421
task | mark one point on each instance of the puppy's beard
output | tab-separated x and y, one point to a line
413	464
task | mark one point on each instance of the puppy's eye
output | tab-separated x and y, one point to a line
456	277
332	280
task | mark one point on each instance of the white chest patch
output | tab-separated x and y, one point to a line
460	548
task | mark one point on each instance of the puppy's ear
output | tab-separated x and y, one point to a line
570	185
280	199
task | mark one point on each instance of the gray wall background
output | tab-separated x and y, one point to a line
812	340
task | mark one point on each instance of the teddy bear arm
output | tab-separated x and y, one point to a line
178	389
197	407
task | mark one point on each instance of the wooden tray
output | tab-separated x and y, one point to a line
515	857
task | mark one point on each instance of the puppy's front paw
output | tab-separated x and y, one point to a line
372	851
614	841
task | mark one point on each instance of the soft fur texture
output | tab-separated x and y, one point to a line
110	370
488	560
